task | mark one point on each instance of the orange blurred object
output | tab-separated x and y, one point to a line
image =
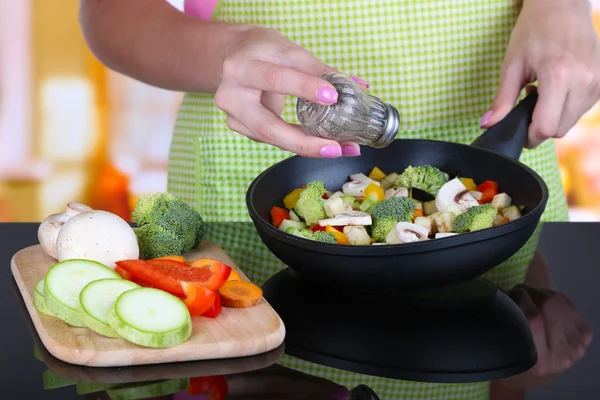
111	192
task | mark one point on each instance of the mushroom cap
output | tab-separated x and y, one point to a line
97	235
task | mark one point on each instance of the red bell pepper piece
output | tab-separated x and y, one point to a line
317	227
489	190
198	299
215	310
168	275
278	214
127	276
219	272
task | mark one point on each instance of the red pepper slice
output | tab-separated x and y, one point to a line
168	275
219	272
215	310
489	189
278	214
127	276
488	185
317	227
198	299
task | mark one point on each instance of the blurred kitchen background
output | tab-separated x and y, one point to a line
72	130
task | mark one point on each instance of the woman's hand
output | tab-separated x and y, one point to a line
261	67
553	42
560	334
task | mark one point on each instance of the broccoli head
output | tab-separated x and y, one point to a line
476	218
424	177
155	241
173	215
310	204
319	236
388	213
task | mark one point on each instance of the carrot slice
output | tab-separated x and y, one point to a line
234	276
504	221
240	294
418	213
173	258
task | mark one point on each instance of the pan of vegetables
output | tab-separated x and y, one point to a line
415	214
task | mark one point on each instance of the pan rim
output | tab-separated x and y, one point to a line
405	248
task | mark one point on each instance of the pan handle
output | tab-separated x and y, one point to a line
509	136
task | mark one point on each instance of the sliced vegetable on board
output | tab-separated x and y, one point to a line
215	310
151	318
63	284
240	294
97	298
198	299
38	298
172	258
219	272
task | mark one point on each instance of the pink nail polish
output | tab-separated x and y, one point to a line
351	150
485	118
327	95
331	151
360	80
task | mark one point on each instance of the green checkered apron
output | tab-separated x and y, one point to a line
437	61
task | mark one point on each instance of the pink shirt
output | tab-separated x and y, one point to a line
202	9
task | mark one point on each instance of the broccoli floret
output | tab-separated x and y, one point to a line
425	177
476	218
388	213
155	241
173	215
310	203
319	236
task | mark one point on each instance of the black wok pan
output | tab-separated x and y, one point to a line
494	156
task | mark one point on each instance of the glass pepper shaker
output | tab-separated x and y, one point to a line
356	117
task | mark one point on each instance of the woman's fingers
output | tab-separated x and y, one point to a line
273	101
552	92
248	116
274	78
512	80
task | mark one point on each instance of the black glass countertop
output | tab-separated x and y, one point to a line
28	371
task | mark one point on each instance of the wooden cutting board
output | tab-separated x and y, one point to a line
234	333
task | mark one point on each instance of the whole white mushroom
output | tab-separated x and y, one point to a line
51	226
99	236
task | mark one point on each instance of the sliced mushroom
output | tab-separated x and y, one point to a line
408	232
400	192
455	192
354	188
348	218
362	178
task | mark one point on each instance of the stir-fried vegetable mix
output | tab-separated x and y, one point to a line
380	208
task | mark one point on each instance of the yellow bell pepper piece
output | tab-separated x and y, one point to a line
469	183
292	198
339	236
376	174
375	192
